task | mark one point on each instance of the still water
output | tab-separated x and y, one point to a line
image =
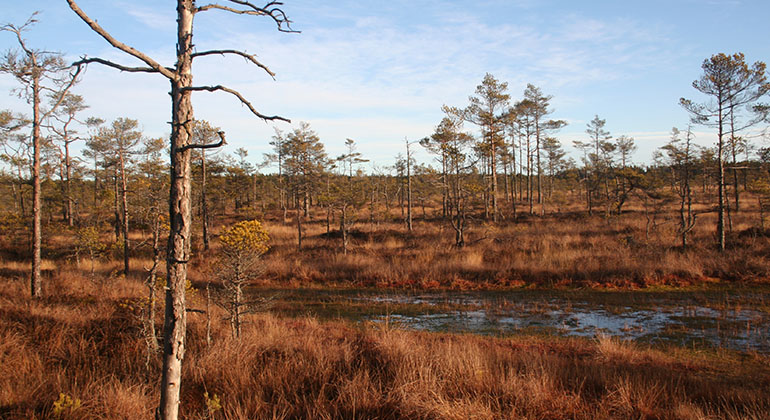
737	319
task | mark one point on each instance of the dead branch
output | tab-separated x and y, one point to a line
67	87
270	9
221	143
240	97
249	57
86	60
119	45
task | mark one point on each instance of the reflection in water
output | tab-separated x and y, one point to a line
710	322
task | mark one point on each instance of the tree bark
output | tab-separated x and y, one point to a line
204	202
68	182
408	187
721	195
178	252
493	170
37	241
124	198
116	210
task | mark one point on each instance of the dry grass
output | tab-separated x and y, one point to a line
83	341
559	249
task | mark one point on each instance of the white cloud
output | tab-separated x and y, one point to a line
155	18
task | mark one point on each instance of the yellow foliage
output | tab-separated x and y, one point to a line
65	403
88	239
760	186
248	235
213	404
189	289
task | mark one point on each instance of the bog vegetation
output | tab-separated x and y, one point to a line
502	205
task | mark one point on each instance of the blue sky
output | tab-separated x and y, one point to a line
380	71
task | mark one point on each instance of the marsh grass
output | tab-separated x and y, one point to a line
84	343
82	340
630	250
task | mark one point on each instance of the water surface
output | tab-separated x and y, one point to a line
737	319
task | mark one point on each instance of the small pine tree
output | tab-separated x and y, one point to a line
243	245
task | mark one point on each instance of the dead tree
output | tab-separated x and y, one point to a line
67	115
180	77
39	73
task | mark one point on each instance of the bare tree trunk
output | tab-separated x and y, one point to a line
208	314
124	198
178	253
116	209
506	182
204	202
344	229
254	204
408	187
529	175
68	182
537	162
37	237
721	195
444	186
150	334
734	152
493	170
299	227
486	179
237	312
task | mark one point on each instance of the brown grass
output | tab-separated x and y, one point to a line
81	340
559	249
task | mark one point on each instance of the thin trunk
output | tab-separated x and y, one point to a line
281	191
328	205
254	190
150	334
734	152
344	229
506	182
408	188
299	227
95	205
208	315
486	179
721	180
204	202
529	176
62	188
237	311
15	190
68	183
36	284
116	204
124	197
493	169
444	186
537	156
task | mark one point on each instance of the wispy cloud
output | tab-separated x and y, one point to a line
156	18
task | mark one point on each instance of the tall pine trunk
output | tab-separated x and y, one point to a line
178	252
37	236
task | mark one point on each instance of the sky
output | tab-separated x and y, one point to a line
379	72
